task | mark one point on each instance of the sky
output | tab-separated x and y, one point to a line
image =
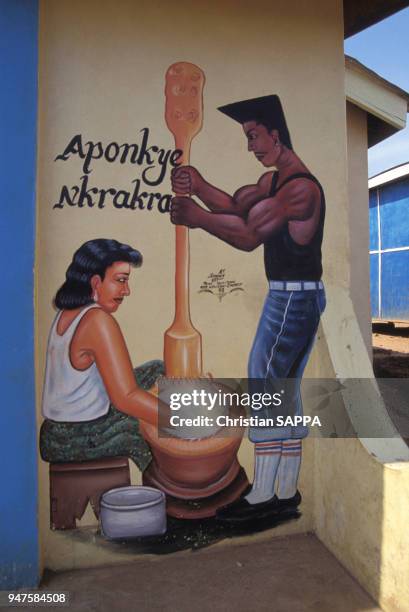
385	49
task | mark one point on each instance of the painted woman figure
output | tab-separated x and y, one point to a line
92	397
285	213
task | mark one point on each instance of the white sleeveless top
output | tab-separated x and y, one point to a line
70	394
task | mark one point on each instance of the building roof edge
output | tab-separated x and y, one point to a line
388	176
351	62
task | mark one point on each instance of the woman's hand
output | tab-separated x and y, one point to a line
186	179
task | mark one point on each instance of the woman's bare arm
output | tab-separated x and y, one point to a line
101	339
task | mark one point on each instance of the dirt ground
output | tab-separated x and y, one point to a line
391	361
390	350
291	574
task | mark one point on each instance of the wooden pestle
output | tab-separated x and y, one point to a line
184	116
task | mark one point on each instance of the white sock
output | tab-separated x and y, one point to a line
289	469
266	457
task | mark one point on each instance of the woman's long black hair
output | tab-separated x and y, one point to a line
93	257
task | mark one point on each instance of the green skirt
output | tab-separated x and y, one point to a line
112	435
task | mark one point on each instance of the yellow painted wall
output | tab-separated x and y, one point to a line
357	142
102	67
361	515
360	487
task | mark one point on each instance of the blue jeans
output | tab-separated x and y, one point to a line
283	342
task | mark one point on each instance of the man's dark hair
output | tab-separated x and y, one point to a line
93	257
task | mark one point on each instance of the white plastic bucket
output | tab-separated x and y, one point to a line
130	512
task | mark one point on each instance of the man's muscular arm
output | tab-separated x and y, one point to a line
187	180
297	201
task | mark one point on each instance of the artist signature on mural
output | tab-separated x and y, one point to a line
217	284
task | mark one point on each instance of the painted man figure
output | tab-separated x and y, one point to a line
285	212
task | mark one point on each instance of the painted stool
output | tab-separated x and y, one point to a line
72	485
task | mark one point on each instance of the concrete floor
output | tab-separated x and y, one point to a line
295	573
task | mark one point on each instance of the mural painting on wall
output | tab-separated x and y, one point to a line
99	411
217	284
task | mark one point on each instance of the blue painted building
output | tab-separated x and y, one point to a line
389	244
19	564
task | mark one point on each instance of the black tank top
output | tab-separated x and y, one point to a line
284	259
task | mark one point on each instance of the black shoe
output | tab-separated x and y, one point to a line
241	510
290	503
